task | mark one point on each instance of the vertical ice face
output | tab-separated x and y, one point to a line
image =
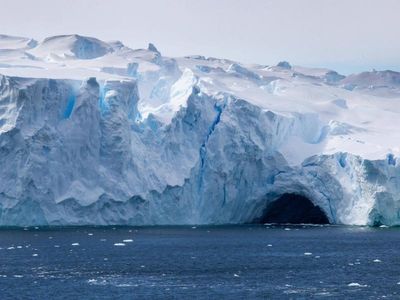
119	112
133	137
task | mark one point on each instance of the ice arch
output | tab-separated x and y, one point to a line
293	209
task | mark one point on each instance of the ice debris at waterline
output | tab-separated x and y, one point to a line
94	132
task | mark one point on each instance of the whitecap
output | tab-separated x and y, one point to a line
124	285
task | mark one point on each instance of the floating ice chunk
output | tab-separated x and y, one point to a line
56	246
10	248
377	261
128	241
75	244
383	226
287	229
236	275
18	276
119	244
35	254
19	247
356	284
90	234
269	245
307	253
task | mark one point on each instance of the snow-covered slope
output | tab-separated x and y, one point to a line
93	132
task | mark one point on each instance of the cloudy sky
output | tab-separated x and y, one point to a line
346	35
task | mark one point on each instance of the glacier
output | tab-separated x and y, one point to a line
96	133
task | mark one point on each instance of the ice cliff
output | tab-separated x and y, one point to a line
93	132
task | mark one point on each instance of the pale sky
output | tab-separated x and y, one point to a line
345	35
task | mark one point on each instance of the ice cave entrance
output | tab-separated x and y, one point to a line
293	209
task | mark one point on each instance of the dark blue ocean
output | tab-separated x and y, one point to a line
224	262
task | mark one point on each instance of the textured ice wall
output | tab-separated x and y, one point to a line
81	153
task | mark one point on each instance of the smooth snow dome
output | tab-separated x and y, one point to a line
71	46
14	43
94	132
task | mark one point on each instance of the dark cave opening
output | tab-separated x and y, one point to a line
293	209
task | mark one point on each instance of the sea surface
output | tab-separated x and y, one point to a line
220	262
